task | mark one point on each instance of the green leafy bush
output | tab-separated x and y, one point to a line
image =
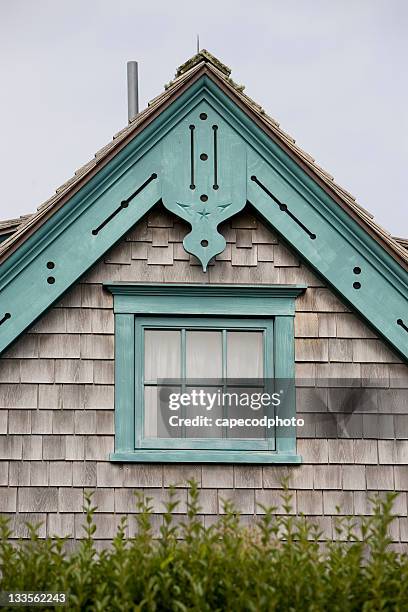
278	564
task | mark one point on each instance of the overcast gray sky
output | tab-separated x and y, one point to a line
333	73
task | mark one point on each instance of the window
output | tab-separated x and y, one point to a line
177	344
218	356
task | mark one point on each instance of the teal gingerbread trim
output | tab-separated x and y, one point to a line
349	259
203	178
50	261
242	163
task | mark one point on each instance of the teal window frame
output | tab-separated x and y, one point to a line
139	305
197	323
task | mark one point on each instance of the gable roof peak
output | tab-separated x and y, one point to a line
203	56
22	228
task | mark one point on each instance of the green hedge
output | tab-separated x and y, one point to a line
278	564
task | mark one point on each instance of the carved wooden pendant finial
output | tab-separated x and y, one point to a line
204	178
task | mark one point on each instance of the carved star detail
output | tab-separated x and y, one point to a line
203	213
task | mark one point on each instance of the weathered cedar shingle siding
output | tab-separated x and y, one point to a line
57	398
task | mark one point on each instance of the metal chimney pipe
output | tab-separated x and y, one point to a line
133	90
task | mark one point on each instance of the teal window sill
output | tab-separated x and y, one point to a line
207	456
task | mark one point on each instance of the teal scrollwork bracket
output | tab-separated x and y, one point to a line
203	178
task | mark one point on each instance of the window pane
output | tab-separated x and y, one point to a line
204	354
245	354
210	410
157	413
162	354
150	412
245	404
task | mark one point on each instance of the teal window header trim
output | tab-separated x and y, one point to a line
247	300
139	305
199	290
